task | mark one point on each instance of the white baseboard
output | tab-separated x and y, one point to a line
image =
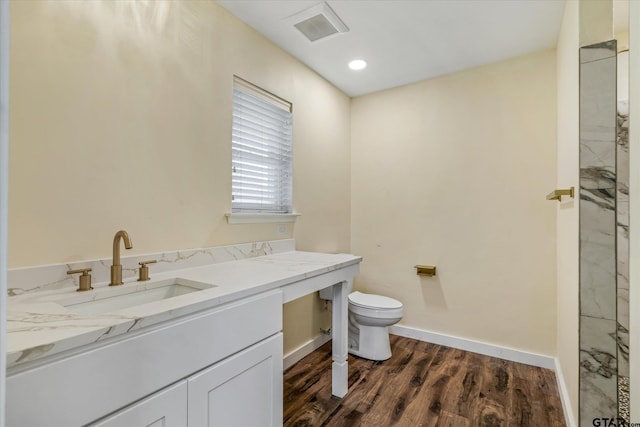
296	355
506	353
564	396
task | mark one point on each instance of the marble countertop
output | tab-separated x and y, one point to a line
38	327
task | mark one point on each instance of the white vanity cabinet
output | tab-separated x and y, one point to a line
242	390
132	367
166	408
209	368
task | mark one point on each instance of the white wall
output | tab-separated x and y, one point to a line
568	238
4	186
596	21
453	172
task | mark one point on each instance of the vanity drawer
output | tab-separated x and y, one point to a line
85	386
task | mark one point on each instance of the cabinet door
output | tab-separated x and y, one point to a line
244	390
165	408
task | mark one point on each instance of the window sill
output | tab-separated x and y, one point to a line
260	218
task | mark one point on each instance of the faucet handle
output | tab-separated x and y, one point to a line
144	270
85	279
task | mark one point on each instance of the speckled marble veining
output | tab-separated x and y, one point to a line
624	409
599	219
39	326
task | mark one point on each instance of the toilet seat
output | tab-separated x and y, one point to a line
375	306
376	302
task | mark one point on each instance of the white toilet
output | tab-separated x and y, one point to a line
369	319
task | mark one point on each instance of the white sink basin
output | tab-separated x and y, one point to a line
130	295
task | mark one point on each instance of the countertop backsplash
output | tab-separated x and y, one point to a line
54	276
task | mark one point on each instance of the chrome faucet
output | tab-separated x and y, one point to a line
116	268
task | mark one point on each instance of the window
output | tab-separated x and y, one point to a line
261	151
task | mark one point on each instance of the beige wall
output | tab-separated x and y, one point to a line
568	238
453	172
596	21
121	118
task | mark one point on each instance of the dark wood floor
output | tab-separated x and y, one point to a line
422	385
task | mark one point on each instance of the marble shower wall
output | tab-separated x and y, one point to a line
598	312
622	235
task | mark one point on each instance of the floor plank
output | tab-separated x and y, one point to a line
422	384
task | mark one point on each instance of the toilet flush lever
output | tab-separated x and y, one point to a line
144	270
85	279
425	270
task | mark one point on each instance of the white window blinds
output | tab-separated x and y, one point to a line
261	151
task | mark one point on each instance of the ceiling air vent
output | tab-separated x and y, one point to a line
318	22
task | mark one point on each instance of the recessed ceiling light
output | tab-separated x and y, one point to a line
358	64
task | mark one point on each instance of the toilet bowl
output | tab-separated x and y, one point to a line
369	319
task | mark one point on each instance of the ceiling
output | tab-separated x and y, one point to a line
405	41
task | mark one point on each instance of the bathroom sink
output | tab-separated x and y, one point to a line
130	295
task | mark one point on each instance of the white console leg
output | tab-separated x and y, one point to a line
339	330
